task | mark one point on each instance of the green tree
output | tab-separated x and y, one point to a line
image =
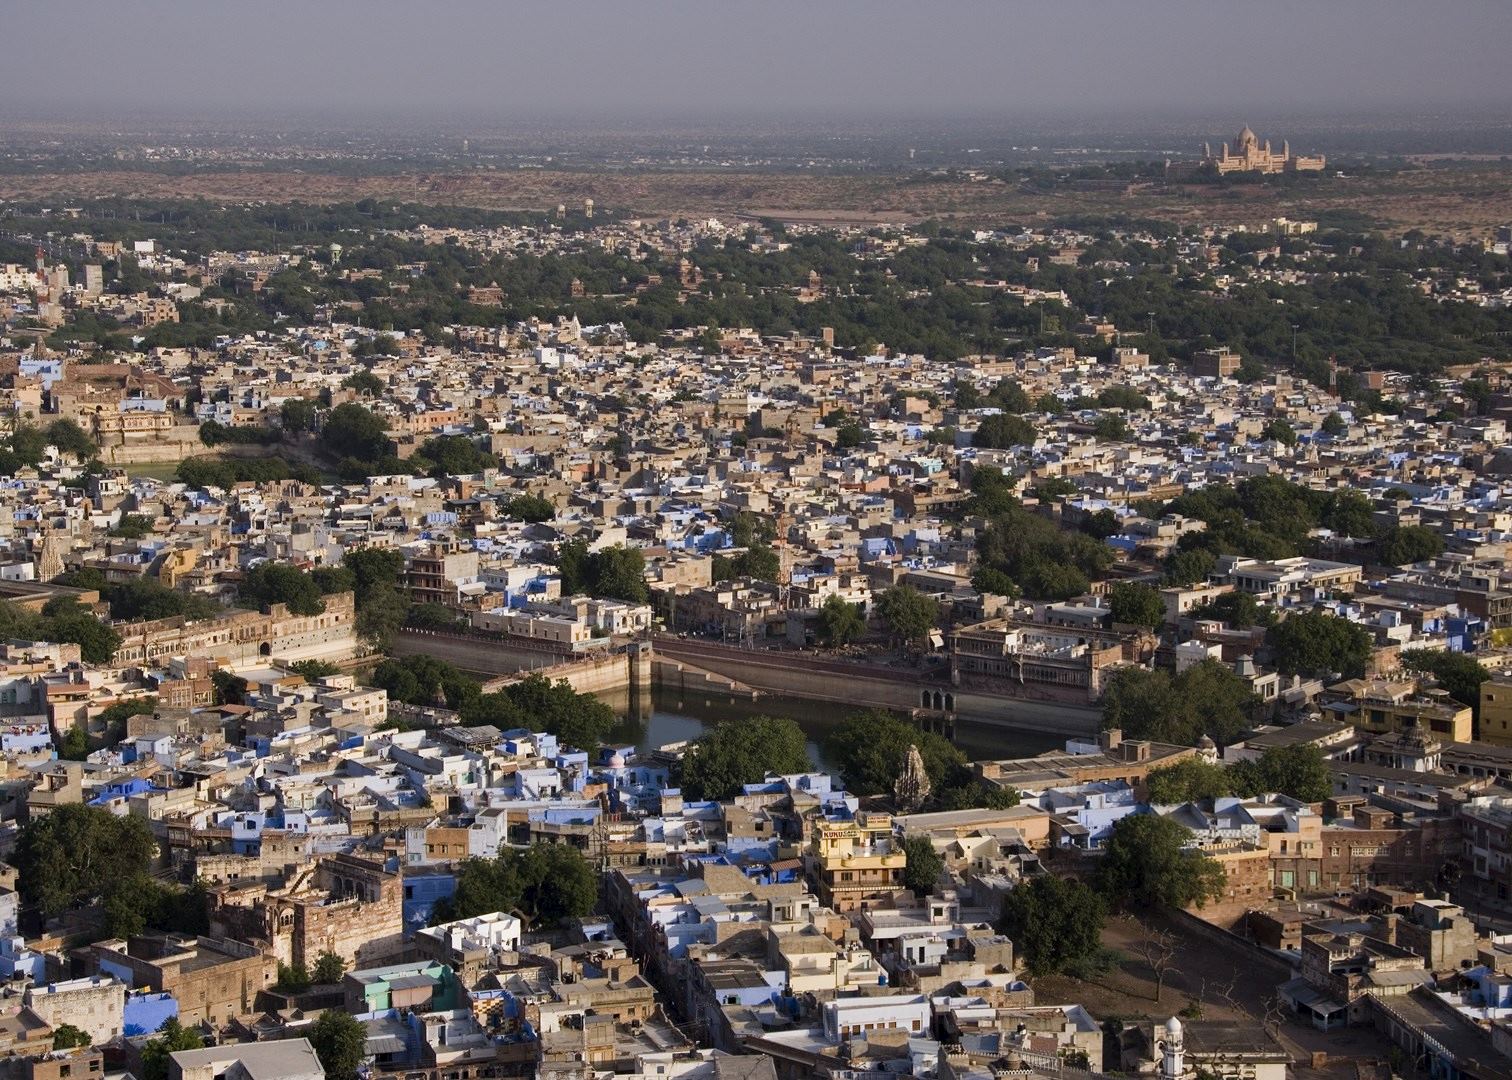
1009	396
1145	863
1348	513
1316	643
1409	544
75	745
230	687
170	1039
67	1037
740	752
1333	424
340	1042
922	871
131	527
1188	781
1056	925
988	579
907	613
1278	430
293	978
869	749
1123	397
1003	431
365	383
1299	771
544	882
1190	567
432	616
849	435
97	642
270	583
312	670
840	621
964	791
70	438
350	431
328	968
616	572
1206	699
540	704
424	680
1136	604
1459	674
1239	609
1112	427
297	415
453	455
530	507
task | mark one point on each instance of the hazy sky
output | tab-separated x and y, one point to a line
713	58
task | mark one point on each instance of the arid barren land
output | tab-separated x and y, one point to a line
1458	201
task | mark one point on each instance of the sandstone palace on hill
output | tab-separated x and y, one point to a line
1249	154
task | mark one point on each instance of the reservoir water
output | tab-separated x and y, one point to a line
676	715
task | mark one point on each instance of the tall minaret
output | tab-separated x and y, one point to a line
1172	1051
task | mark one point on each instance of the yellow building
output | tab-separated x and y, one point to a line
1248	154
857	863
1383	706
1496	710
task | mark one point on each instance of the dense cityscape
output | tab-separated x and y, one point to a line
737	601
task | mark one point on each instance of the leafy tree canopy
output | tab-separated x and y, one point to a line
740	752
1145	863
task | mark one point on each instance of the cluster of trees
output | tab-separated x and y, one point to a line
738	752
374	577
1023	553
1298	771
616	572
757	561
296	978
1268	517
140	598
1205	699
357	439
208	472
544	884
869	749
62	620
214	433
1136	604
450	455
1317	643
580	720
1056	923
907	613
271	582
1238	609
1371	314
79	856
1459	674
529	508
536	702
26	444
840	622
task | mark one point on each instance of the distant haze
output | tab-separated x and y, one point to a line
712	59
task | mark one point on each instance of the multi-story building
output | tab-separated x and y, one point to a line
998	653
1382	706
855	863
1496	711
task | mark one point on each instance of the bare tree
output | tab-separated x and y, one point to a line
1158	950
